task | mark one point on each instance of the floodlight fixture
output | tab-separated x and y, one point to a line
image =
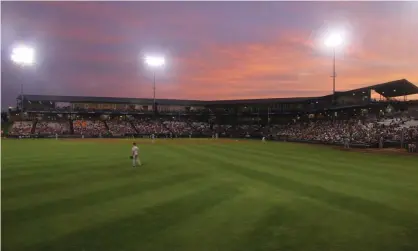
23	55
334	40
154	61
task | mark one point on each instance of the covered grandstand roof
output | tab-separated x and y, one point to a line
392	89
260	101
395	88
81	99
84	99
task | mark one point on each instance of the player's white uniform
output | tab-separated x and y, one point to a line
56	136
153	138
263	139
135	156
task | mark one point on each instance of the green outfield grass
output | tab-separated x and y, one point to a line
205	195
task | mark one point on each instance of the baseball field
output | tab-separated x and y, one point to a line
198	195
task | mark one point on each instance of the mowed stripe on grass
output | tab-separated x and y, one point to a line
205	195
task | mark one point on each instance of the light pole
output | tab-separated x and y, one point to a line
333	41
23	56
153	88
154	62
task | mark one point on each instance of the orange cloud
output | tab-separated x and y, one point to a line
287	66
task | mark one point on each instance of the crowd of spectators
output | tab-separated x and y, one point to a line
89	127
201	128
354	130
222	129
179	127
398	129
52	127
148	126
21	128
120	127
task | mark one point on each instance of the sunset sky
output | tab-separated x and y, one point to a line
214	50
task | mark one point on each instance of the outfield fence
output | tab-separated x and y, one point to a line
387	144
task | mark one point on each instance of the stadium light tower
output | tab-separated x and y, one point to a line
154	62
23	56
334	41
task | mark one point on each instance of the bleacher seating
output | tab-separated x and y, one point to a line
89	127
21	128
52	127
120	127
145	126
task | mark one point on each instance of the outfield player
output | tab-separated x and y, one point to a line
135	155
263	139
153	138
346	141
412	147
381	141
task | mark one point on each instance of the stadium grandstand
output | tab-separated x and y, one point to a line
353	114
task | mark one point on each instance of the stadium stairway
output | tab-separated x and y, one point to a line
133	126
189	123
107	127
71	126
32	131
166	127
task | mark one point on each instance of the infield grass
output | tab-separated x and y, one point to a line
204	195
